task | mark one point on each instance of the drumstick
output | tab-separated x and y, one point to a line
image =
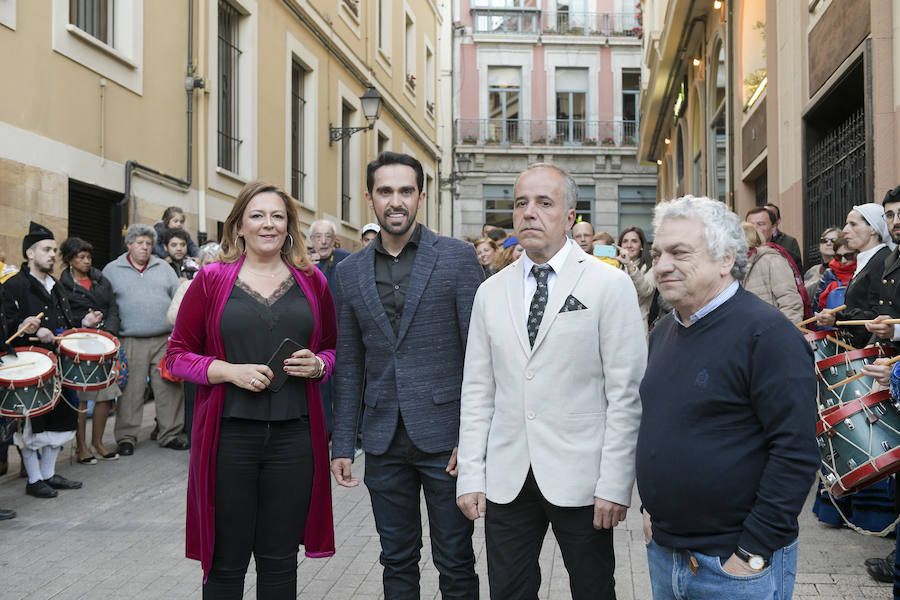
861	374
838	342
827	310
804	329
22	330
865	321
63	337
23	364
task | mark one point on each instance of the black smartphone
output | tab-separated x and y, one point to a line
276	363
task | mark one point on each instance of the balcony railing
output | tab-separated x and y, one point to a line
553	132
532	21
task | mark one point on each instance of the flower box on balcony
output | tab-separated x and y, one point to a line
515	141
538	142
628	141
429	106
411	81
589	142
470	139
608	142
491	141
575	31
557	141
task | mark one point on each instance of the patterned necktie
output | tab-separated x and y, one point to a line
539	300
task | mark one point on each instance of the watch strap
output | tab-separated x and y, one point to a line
747	557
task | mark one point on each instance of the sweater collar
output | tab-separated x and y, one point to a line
713	304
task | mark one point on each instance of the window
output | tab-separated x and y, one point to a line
679	162
229	68
716	147
584	207
631	89
384	27
298	116
498	204
571	104
346	191
504	91
382	143
430	212
696	134
410	53
95	17
636	204
429	81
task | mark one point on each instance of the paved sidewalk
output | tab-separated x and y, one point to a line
122	536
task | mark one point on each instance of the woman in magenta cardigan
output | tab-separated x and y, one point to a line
258	476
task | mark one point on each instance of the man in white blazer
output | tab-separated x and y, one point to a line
550	407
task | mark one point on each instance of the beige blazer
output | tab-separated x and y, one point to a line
569	407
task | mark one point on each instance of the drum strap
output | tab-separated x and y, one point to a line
887	530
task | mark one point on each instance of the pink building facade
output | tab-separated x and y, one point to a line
555	81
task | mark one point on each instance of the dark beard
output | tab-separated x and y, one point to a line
401	229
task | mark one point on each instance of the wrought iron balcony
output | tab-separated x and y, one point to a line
551	132
533	21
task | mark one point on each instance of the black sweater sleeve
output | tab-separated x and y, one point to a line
783	394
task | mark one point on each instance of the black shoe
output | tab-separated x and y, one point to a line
882	571
40	489
58	482
177	444
126	448
7	514
889	558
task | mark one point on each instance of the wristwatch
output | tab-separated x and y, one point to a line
755	561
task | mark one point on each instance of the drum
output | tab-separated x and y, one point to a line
859	442
31	389
822	348
841	366
88	359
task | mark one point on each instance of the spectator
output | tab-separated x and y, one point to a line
176	243
6	270
486	249
144	286
5	308
770	277
498	234
87	289
634	255
34	291
784	240
509	254
814	274
765	221
173	218
486	229
602	238
840	270
583	234
367	234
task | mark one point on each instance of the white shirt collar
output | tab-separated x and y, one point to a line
48	281
557	262
862	259
713	304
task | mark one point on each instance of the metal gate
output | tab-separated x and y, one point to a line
836	172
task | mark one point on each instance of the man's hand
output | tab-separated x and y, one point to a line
825	319
92	319
45	335
340	468
880	329
735	566
473	505
648	531
451	465
30	324
608	514
880	372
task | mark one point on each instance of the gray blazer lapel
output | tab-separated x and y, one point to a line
370	293
564	285
516	307
426	257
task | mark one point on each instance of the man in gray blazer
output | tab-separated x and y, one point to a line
403	305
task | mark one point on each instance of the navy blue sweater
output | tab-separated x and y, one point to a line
726	451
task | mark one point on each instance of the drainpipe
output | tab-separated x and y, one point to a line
191	83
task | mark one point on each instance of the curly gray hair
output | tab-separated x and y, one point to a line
136	230
721	228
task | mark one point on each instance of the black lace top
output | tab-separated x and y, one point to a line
252	329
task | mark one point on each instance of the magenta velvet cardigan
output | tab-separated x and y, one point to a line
195	343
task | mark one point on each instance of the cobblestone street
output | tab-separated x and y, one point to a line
121	536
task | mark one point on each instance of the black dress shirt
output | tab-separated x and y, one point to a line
392	275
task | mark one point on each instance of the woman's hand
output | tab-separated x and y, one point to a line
825	319
880	372
880	329
254	378
303	363
92	319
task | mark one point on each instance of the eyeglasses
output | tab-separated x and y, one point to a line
891	215
827	240
321	236
845	257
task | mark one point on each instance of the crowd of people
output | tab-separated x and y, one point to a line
527	379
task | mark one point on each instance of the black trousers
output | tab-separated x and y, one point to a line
264	473
514	534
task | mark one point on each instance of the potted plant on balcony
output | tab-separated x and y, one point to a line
628	140
470	139
491	141
589	142
429	106
608	141
557	141
538	141
411	81
516	141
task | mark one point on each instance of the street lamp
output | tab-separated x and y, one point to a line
462	163
371	106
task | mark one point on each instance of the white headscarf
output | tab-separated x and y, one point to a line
874	216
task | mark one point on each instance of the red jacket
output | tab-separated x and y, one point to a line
195	343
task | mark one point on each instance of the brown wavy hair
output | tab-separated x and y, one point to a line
293	252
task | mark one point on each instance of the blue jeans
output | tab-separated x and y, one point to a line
671	577
394	480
